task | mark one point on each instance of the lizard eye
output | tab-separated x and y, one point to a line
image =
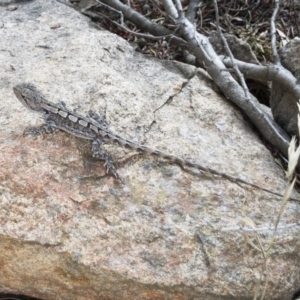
26	100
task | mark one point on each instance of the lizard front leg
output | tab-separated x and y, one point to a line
103	155
49	127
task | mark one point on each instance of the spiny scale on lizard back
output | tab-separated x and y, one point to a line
95	128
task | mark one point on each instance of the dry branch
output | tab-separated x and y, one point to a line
198	45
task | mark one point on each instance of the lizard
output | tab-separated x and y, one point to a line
94	127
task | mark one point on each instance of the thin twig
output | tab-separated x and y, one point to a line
148	36
142	22
229	53
276	59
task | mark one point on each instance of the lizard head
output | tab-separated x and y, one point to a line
29	96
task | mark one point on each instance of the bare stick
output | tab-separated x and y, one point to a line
233	91
136	18
170	8
142	22
229	53
276	74
191	11
124	27
179	9
276	58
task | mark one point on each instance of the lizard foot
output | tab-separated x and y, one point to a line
103	155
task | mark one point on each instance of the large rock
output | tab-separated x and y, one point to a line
69	231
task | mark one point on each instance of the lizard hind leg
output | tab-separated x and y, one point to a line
103	155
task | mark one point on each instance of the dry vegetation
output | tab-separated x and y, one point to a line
249	20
